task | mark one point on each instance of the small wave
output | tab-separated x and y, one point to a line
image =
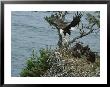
24	25
21	15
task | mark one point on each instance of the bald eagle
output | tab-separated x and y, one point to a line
76	20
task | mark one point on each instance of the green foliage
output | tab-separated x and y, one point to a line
49	20
57	18
36	66
94	19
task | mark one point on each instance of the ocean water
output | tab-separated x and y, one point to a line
30	31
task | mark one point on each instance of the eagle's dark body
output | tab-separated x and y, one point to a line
75	22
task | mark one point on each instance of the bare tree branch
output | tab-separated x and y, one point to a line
82	35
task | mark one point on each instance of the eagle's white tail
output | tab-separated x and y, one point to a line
73	28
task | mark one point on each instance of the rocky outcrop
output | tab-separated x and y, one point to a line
72	67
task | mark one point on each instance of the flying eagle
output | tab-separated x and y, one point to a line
74	23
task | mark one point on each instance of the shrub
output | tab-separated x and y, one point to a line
36	66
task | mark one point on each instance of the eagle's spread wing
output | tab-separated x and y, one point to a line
74	23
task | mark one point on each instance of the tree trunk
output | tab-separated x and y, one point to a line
60	39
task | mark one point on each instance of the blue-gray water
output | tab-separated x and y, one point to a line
30	30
